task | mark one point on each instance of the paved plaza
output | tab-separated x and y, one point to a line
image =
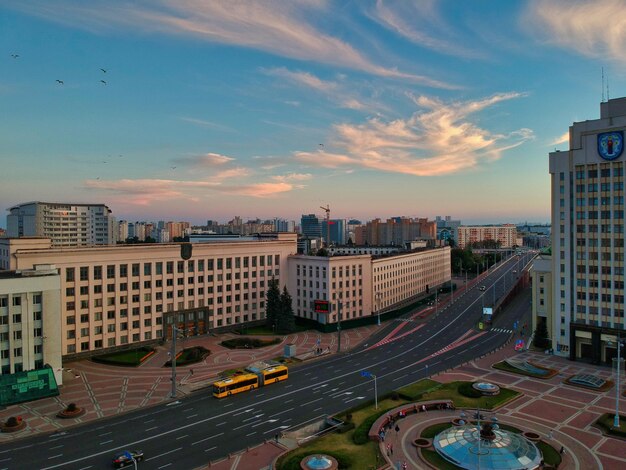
561	414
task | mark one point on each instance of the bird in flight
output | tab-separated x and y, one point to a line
104	71
15	56
60	82
102	81
173	168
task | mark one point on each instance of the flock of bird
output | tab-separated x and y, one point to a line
61	82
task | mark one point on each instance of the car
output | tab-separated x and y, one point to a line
127	457
515	271
482	288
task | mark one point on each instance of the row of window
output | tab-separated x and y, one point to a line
604	187
112	271
16	300
603	242
593	201
616	214
17	334
593	173
17	318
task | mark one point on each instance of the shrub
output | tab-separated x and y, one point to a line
395	396
247	343
71	407
349	417
345	427
361	433
12	422
466	389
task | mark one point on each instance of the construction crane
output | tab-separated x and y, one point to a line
327	210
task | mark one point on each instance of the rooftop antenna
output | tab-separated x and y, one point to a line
602	84
327	210
607	88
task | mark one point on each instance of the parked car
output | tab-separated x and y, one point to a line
482	288
127	457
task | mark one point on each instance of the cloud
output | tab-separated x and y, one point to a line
303	78
208	160
275	26
208	124
260	190
412	20
561	139
293	177
592	28
237	172
440	139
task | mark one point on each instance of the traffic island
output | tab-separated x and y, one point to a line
71	411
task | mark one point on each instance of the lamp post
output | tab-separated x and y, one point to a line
619	345
369	375
173	359
339	326
378	295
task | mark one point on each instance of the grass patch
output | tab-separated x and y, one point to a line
437	461
509	368
605	422
550	455
450	391
415	391
431	431
190	356
249	343
128	358
257	331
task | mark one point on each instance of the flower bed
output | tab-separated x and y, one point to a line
13	424
71	411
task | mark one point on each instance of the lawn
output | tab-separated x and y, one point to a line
437	461
417	389
449	391
606	423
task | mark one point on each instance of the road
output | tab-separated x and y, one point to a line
189	432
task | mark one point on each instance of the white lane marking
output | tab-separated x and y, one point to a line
55	456
251	434
182	437
191	416
207	438
281	412
210	449
105	433
164	453
153	427
56	447
166	465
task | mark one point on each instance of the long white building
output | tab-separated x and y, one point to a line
66	224
588	237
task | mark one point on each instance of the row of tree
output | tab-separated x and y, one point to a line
278	309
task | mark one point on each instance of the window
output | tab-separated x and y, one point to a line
69	274
111	271
17	301
135	269
147	269
36	299
97	272
84	273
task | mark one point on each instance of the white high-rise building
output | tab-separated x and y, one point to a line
588	237
66	224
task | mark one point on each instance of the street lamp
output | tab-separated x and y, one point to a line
175	332
369	375
619	345
378	295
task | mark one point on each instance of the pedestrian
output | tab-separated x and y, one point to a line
388	449
191	371
404	467
276	437
391	448
397	428
562	451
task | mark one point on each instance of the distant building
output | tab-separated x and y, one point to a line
588	227
542	305
66	224
447	229
311	226
337	231
396	231
505	235
30	320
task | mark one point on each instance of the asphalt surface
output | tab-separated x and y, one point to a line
188	433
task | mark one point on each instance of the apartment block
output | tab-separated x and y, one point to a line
505	235
66	224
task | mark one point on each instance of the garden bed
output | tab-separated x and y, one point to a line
190	356
509	368
249	343
605	424
128	358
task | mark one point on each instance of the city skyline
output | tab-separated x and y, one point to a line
192	111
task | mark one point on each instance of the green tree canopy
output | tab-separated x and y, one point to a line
286	318
272	303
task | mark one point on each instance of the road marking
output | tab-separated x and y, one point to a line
106	442
182	437
288	401
281	412
242	412
56	447
105	433
166	465
251	434
153	427
55	456
164	453
207	438
210	449
149	421
85	468
191	416
4	460
317	409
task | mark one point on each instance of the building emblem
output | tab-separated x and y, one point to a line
185	250
611	144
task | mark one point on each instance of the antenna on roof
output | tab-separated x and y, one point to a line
607	88
602	85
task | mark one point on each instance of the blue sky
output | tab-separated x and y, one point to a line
211	109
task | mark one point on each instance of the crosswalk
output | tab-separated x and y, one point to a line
502	330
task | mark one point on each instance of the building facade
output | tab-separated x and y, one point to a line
66	224
395	231
505	235
122	294
30	320
542	305
311	226
588	236
361	286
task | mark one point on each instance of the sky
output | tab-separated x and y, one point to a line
195	110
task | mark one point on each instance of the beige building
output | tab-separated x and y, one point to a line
505	234
395	231
30	320
541	279
362	284
588	236
117	295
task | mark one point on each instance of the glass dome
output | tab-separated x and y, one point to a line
464	446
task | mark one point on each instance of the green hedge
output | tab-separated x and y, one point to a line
128	358
293	463
190	356
345	427
467	390
361	433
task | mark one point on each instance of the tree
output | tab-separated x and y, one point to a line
286	319
322	252
272	303
542	339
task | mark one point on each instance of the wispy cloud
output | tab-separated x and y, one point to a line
438	140
594	29
303	78
420	22
208	160
561	139
207	124
283	28
293	177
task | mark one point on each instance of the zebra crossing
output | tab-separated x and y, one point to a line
502	330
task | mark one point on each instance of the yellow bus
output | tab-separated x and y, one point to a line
235	384
256	376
